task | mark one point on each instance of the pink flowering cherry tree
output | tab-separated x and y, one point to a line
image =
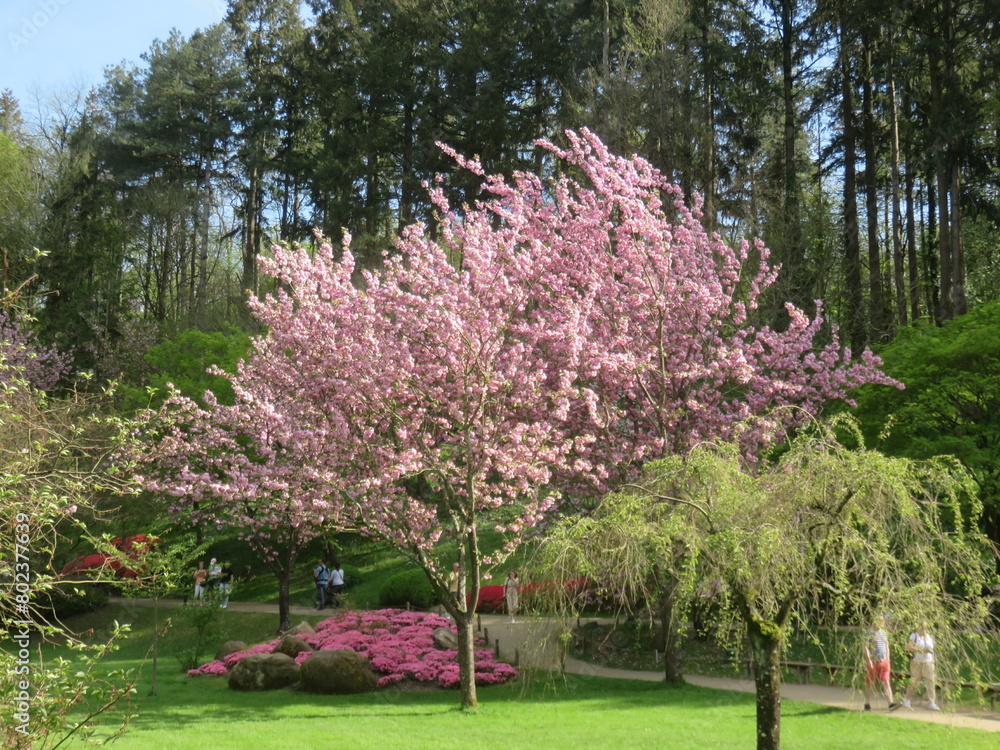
247	467
448	389
558	333
673	354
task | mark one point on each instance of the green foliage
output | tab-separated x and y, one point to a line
54	454
184	360
67	694
65	600
825	536
205	624
951	404
410	587
352	575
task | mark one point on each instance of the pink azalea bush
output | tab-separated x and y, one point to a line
399	645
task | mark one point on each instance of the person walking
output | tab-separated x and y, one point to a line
199	583
321	575
225	584
921	645
510	594
336	583
877	663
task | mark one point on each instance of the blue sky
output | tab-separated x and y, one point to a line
56	45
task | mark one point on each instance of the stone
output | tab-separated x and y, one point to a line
264	672
337	672
229	647
292	645
303	628
445	639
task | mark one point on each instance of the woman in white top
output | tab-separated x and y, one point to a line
921	645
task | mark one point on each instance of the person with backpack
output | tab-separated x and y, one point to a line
321	575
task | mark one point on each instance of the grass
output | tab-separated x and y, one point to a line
582	712
538	710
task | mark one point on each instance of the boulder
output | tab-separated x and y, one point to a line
303	628
292	645
264	672
337	672
445	639
229	647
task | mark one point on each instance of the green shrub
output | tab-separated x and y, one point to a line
352	575
410	586
197	627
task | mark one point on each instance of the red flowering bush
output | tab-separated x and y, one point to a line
131	547
582	591
399	645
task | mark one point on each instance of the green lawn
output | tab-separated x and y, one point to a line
580	713
536	712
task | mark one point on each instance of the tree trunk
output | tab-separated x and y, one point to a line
897	221
797	282
766	648
251	232
708	75
467	658
284	598
913	267
879	327
852	241
672	654
201	295
958	302
941	173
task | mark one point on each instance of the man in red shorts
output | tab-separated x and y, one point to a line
877	663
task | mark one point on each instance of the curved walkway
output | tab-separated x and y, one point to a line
532	642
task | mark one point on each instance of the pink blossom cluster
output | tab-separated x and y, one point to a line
552	337
23	357
399	645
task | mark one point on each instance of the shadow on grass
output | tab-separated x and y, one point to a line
192	700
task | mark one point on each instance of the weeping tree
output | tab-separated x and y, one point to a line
825	535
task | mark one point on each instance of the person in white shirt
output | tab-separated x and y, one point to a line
336	583
921	645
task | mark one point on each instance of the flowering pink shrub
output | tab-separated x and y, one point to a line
399	645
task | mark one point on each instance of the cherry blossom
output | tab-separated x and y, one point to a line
551	338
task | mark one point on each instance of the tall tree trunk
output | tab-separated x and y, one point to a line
251	232
467	658
606	43
958	301
708	74
933	284
852	241
942	178
793	260
913	266
879	327
897	220
201	294
765	645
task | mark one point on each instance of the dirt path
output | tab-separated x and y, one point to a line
533	642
